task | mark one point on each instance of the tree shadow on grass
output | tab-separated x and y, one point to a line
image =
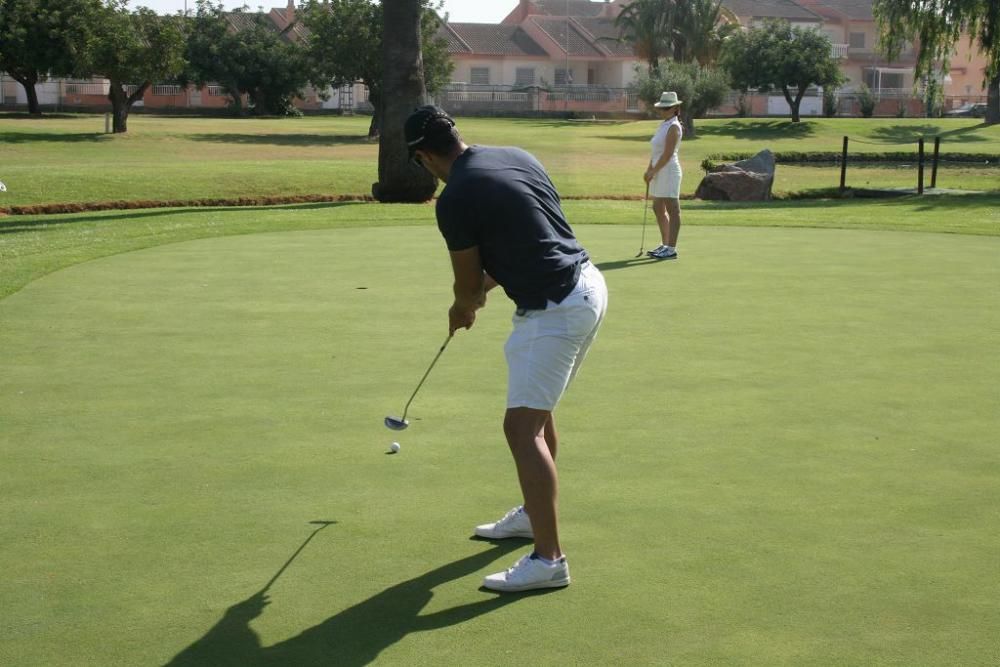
54	137
913	133
354	636
285	139
758	129
13	225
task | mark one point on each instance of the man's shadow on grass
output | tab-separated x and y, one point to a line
354	636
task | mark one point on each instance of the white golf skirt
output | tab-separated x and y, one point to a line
547	347
667	181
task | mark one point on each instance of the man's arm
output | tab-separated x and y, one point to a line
470	288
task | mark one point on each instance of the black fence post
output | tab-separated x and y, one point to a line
937	150
920	167
843	167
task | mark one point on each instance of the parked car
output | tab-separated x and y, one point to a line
975	110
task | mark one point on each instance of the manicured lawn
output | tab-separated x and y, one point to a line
782	451
67	159
33	246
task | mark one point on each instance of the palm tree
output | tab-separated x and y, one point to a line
402	91
699	28
647	24
684	30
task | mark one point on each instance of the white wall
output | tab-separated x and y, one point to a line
777	105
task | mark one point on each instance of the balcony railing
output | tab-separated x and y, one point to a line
839	50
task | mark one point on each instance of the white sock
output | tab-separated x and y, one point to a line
548	562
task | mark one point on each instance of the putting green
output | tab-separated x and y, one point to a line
781	451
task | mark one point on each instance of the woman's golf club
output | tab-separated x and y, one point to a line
401	423
645	210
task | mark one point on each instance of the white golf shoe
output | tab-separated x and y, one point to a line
514	523
530	573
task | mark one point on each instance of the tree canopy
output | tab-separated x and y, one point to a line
132	50
40	38
253	59
344	45
936	26
778	56
700	87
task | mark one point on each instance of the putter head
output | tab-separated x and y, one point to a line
396	424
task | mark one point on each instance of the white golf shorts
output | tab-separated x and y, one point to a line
546	347
667	181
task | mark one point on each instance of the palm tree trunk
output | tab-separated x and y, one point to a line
402	91
993	101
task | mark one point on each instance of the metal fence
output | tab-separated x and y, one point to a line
480	99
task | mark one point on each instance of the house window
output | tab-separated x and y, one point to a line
857	40
564	76
524	76
886	80
591	77
480	76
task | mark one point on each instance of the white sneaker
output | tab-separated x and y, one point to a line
528	574
514	523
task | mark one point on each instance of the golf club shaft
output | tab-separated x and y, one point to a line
645	210
421	383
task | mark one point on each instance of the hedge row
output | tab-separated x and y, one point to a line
889	157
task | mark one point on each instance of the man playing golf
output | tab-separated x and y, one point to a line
503	224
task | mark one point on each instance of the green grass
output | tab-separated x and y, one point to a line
782	451
33	246
67	159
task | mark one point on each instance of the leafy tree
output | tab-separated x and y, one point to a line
937	26
246	55
778	56
345	46
701	89
40	38
403	90
132	50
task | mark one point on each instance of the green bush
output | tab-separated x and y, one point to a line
830	102
867	101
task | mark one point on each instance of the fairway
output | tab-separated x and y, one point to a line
66	158
781	451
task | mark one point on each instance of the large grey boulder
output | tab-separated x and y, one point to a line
746	180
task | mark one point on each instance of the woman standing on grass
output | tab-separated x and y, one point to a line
663	175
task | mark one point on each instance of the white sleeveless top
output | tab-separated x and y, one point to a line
659	141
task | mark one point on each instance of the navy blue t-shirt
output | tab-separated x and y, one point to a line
501	200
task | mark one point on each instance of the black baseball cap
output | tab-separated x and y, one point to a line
421	125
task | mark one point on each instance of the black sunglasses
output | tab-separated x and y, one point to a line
415	160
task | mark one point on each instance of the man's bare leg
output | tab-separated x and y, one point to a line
525	429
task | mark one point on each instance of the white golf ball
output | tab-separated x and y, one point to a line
394	447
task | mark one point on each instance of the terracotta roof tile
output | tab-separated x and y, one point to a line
779	9
582	8
606	33
566	36
490	39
